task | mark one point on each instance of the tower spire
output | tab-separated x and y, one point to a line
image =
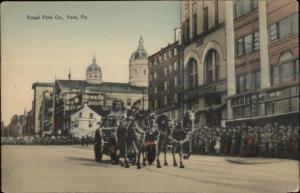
141	43
94	58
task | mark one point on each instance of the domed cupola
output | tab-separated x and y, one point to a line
138	66
140	53
94	73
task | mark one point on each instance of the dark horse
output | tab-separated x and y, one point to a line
163	124
176	135
132	134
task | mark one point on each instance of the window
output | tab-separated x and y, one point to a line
194	25
170	53
80	114
212	66
273	32
91	115
165	56
247	82
248	43
256	41
175	51
216	11
175	81
192	70
165	71
205	19
145	72
95	76
284	27
175	66
176	97
295	23
90	123
238	9
186	32
286	70
155	75
76	123
242	7
170	68
240	47
275	75
165	85
240	83
155	89
255	79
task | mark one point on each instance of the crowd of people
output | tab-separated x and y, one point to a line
247	141
48	140
268	141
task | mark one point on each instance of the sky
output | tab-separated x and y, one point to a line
38	50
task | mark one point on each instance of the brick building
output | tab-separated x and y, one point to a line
240	61
266	62
164	79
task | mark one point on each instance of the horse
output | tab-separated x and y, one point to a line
174	135
163	124
132	135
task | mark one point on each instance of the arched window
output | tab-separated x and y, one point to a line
212	66
192	73
286	69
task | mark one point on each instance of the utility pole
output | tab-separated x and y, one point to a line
43	112
53	106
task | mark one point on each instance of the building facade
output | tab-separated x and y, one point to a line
204	60
266	62
164	81
82	122
240	60
40	90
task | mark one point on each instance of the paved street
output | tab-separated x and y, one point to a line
73	169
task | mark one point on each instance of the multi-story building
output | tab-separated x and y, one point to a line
164	81
240	60
204	60
16	126
46	114
40	90
29	126
266	62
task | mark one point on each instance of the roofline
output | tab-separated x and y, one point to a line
163	49
42	84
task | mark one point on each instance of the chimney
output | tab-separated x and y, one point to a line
178	35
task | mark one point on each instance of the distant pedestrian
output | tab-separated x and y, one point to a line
218	145
87	140
82	141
